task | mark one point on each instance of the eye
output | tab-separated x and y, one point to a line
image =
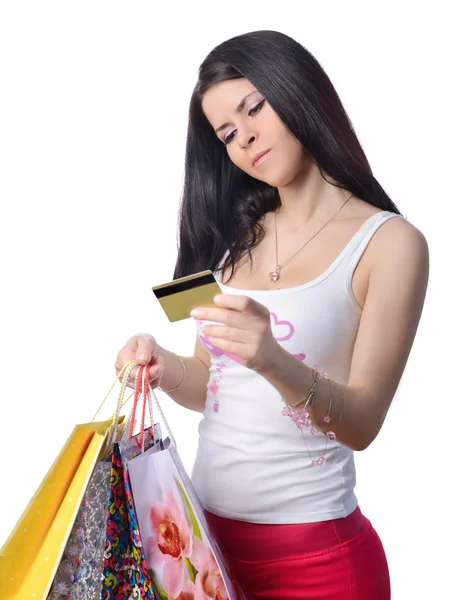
255	109
229	138
252	112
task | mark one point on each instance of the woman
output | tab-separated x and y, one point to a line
323	287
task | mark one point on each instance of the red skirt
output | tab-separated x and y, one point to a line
341	559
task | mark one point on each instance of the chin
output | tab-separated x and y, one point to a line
278	180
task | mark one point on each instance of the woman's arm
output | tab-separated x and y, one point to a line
193	393
398	277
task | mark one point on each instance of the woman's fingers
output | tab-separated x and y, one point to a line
141	348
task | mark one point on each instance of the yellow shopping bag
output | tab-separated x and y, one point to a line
31	555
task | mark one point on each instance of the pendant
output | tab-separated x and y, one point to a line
274	275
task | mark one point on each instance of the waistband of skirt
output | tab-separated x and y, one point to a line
260	542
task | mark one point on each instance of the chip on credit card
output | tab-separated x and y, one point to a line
178	298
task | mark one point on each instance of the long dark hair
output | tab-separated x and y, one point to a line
221	205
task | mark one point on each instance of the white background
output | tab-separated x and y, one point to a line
93	112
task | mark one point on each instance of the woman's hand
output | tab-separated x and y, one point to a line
246	330
144	349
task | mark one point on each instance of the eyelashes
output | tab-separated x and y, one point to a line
252	112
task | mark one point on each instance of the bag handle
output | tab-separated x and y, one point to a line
122	389
163	418
125	373
144	390
128	431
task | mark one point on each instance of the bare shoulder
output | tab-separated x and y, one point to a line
399	241
398	263
397	254
395	239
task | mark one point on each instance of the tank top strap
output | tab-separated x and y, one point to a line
359	245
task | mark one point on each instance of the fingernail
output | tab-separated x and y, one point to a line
195	313
159	372
144	357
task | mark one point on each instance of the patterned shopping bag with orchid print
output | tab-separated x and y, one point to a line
181	555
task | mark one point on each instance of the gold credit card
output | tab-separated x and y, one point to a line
179	297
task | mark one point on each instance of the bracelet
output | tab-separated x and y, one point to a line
303	417
181	383
317	376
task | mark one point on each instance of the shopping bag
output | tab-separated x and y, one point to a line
125	573
80	573
33	551
181	554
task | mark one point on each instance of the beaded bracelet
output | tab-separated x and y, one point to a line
181	383
304	416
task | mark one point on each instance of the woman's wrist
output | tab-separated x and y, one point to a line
174	370
295	381
179	385
276	366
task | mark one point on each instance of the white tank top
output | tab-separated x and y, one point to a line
253	461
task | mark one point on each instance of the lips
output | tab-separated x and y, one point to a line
258	156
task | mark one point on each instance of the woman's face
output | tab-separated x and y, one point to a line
247	125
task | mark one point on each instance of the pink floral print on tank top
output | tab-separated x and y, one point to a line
283	331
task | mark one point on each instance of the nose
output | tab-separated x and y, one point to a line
247	139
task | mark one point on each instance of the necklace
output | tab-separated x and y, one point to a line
275	275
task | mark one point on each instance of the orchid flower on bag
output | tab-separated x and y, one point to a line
190	592
208	579
190	571
173	541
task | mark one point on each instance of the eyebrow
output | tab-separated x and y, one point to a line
239	108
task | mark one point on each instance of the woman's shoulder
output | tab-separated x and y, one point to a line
396	243
393	232
400	236
397	246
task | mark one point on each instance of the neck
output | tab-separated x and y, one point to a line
309	197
